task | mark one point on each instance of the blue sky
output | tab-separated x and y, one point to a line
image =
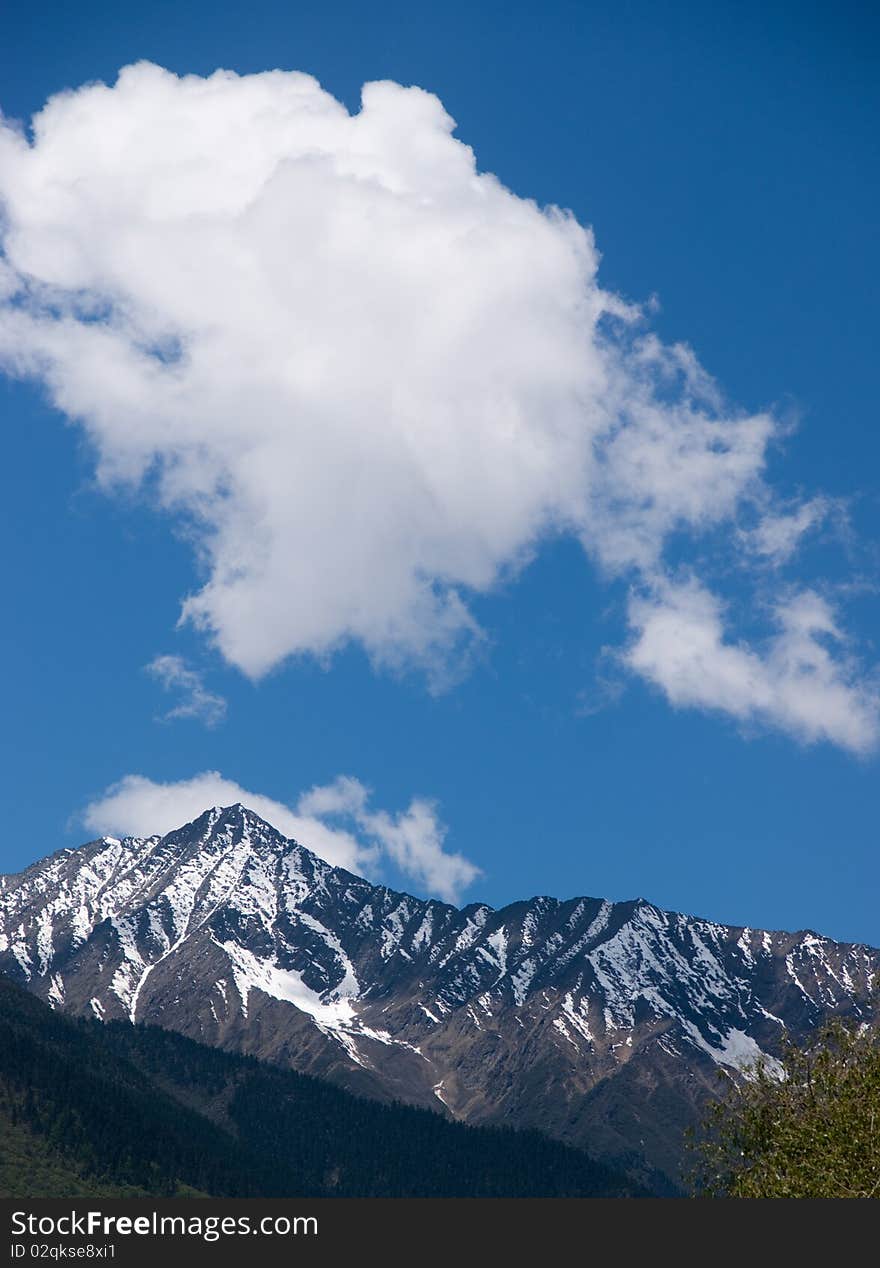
725	157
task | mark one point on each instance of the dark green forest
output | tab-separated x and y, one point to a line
111	1109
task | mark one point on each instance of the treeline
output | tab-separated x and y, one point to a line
138	1108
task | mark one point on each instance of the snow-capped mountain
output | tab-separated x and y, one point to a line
600	1023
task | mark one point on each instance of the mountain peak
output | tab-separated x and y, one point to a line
237	936
235	816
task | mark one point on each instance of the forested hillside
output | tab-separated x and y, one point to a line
87	1108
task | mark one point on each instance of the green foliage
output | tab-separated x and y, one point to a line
814	1132
31	1168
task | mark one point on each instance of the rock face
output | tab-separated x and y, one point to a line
603	1024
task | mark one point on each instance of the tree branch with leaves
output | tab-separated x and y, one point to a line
805	1127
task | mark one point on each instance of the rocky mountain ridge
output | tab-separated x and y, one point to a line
603	1024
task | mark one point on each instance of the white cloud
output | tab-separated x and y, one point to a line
369	377
197	701
336	821
777	535
412	838
794	682
372	376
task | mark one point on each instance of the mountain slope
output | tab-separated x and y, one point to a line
120	1110
603	1024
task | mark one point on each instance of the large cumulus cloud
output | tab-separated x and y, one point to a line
371	377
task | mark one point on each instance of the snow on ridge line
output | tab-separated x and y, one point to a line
262	834
678	965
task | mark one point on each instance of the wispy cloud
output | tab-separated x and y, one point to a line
196	700
336	821
779	533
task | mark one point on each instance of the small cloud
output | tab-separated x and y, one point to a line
800	681
777	536
412	838
173	673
